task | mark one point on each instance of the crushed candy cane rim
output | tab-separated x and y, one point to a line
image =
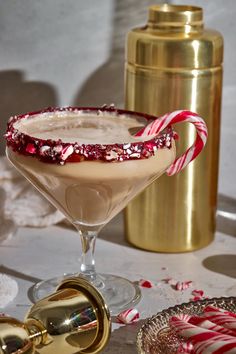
155	326
56	151
156	126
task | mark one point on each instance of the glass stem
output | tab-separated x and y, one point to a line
87	268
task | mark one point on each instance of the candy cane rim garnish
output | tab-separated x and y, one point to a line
159	124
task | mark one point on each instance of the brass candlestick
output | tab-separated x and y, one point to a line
74	319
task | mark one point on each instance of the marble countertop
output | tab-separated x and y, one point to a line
34	254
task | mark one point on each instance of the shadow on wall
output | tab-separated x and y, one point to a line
106	84
19	96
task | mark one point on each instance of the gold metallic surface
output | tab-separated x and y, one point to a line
74	319
14	336
174	63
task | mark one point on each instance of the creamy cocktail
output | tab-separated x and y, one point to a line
90	162
89	192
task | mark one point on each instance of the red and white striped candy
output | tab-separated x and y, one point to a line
185	347
202	322
204	341
159	124
211	308
184	317
128	316
224	318
183	285
215	346
198	293
196	334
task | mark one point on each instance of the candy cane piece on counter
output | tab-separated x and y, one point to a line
159	124
128	316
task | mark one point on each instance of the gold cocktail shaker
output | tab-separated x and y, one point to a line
74	319
174	63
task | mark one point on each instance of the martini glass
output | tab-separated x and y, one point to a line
89	163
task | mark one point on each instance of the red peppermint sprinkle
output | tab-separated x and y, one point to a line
196	298
30	148
145	283
198	293
128	316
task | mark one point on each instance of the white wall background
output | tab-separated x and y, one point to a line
56	52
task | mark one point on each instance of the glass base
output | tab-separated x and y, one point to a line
119	293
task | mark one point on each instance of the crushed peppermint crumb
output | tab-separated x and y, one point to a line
183	285
145	283
199	293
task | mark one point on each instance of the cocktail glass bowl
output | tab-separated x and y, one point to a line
89	183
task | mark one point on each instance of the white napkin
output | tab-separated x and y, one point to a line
8	290
21	203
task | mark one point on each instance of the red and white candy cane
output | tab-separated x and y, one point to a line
185	348
220	317
204	323
159	124
213	346
197	334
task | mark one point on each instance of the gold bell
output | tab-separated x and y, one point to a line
74	319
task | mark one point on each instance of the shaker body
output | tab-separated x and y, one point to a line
177	214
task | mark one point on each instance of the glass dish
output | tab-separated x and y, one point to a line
156	337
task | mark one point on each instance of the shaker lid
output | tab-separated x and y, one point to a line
174	37
166	15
